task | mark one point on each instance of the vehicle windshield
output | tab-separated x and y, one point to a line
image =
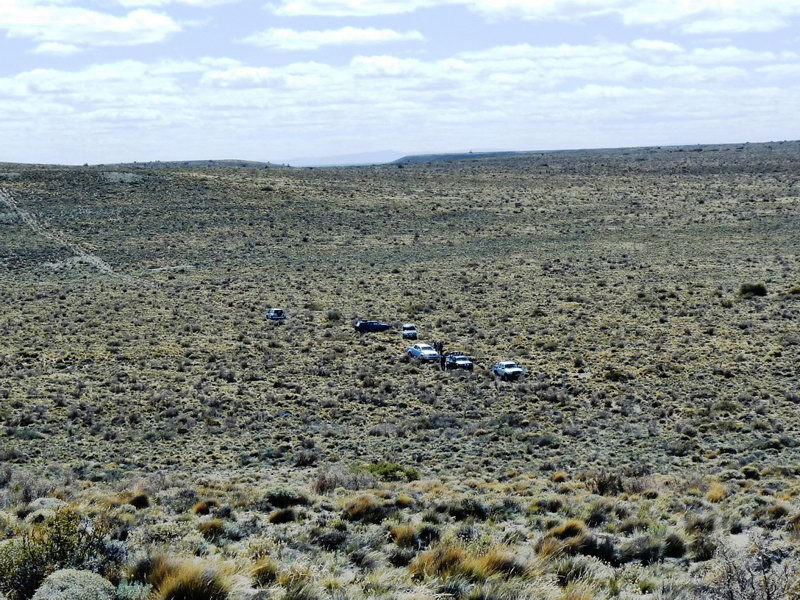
424	347
509	365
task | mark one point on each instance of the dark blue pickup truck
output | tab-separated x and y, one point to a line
368	326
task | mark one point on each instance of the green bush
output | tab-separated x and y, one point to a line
749	290
65	541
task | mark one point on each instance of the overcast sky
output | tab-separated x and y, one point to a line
104	81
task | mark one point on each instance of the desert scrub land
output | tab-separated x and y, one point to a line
652	293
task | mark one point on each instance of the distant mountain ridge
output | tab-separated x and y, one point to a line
206	163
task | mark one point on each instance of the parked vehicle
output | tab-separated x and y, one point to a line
370	326
275	314
458	360
508	369
422	352
409	331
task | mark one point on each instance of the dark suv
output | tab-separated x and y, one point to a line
366	326
458	360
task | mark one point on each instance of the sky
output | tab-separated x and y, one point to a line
104	81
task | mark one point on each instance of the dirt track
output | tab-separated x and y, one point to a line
81	253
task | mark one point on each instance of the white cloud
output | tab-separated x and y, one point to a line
656	46
243	77
57	23
513	96
291	39
348	8
727	54
758	22
56	48
691	16
195	3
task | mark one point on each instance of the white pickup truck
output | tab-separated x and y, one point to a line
508	369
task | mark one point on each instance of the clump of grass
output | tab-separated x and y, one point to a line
264	571
644	549
403	535
697	523
569	529
497	561
192	582
212	529
366	508
559	477
174	579
283	515
404	501
204	507
674	545
716	493
444	560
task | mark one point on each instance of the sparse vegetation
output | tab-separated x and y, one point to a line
160	433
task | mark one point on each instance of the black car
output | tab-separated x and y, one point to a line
368	326
458	360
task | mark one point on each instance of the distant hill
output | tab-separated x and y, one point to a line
208	163
341	160
426	158
619	152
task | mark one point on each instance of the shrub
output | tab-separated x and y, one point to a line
643	549
140	501
133	591
598	514
756	572
65	541
605	483
749	290
330	478
389	471
285	498
466	508
69	584
328	539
